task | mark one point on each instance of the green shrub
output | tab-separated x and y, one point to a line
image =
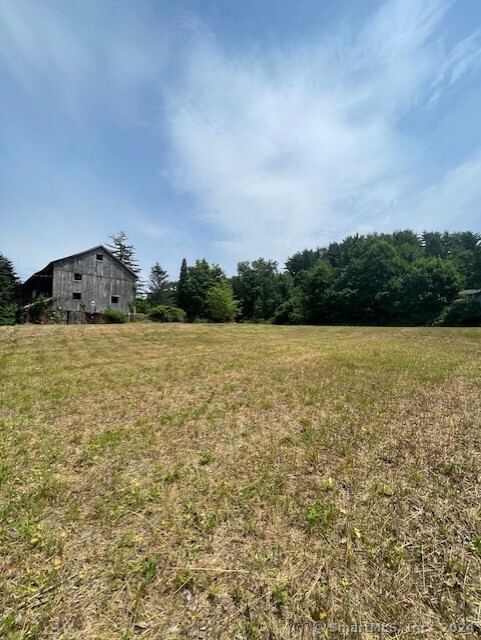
462	313
139	305
40	311
166	313
114	316
289	312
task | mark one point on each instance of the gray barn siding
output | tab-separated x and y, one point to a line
100	281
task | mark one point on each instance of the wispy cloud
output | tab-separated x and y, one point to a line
464	58
452	203
76	78
65	52
153	231
296	147
68	218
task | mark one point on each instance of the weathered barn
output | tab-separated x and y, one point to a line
92	280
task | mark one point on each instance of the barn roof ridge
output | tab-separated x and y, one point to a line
79	253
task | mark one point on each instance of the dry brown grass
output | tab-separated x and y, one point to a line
239	482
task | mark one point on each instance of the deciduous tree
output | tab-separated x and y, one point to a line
221	304
194	284
260	288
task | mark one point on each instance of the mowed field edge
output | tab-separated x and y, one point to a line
239	481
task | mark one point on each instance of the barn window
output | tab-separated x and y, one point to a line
77	276
100	256
114	299
76	295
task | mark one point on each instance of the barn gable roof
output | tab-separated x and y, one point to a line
81	253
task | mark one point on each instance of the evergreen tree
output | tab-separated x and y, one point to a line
182	293
9	292
159	288
124	251
435	244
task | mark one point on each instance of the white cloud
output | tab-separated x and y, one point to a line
296	148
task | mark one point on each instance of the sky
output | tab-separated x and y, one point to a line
234	129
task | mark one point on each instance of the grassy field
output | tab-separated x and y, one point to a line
239	482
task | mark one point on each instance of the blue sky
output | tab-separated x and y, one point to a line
233	129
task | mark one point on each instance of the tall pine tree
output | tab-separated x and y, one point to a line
9	292
159	288
182	297
124	251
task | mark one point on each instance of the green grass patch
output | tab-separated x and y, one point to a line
201	481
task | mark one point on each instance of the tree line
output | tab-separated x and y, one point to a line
397	279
